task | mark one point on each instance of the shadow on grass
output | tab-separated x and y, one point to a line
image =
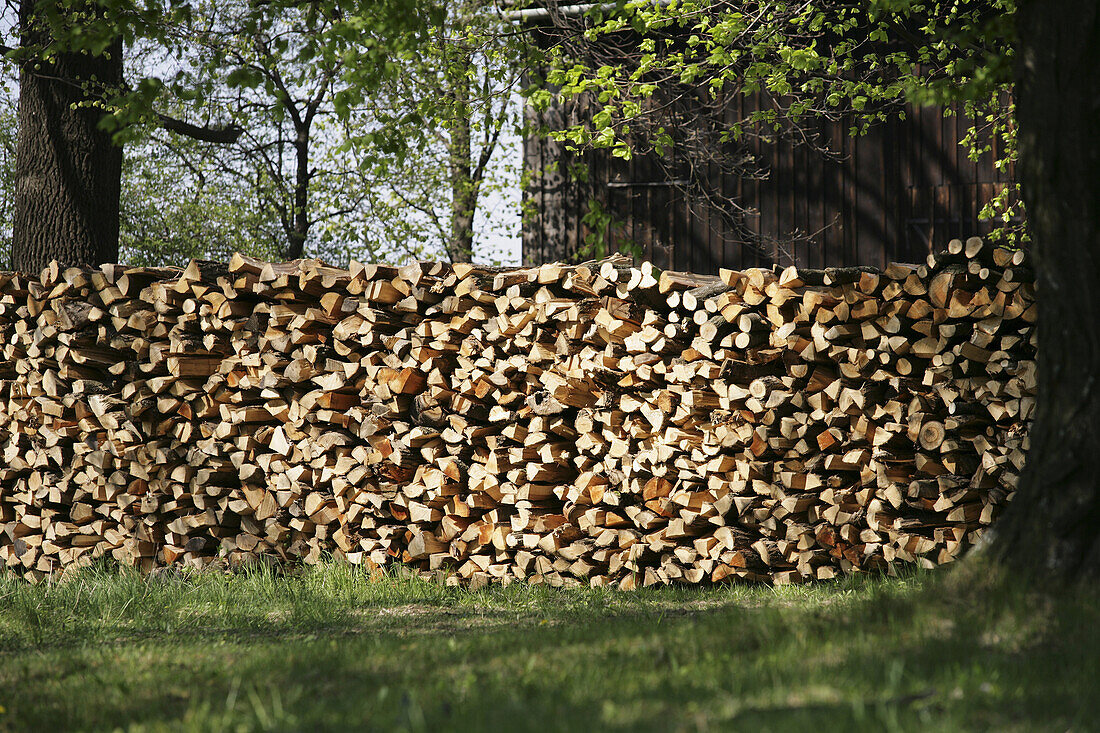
868	655
108	604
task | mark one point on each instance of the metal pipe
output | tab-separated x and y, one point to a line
568	11
540	13
646	184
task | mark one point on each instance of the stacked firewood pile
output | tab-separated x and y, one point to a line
597	424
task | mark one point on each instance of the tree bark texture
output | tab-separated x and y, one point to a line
460	245
1052	528
68	172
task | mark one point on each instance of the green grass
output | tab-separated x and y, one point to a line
330	648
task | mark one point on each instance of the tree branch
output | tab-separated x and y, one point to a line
218	135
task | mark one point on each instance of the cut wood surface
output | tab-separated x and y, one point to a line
601	424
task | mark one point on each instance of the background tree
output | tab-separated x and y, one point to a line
77	106
401	171
436	131
175	203
392	163
7	171
279	74
179	203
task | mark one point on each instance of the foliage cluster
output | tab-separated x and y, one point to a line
855	64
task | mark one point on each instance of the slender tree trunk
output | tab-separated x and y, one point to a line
1052	527
463	203
299	218
67	171
460	245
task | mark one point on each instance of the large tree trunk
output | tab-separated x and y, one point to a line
1052	528
67	171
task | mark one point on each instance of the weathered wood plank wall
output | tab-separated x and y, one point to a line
905	187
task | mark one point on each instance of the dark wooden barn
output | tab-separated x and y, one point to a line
904	187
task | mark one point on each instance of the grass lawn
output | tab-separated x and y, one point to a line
330	648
